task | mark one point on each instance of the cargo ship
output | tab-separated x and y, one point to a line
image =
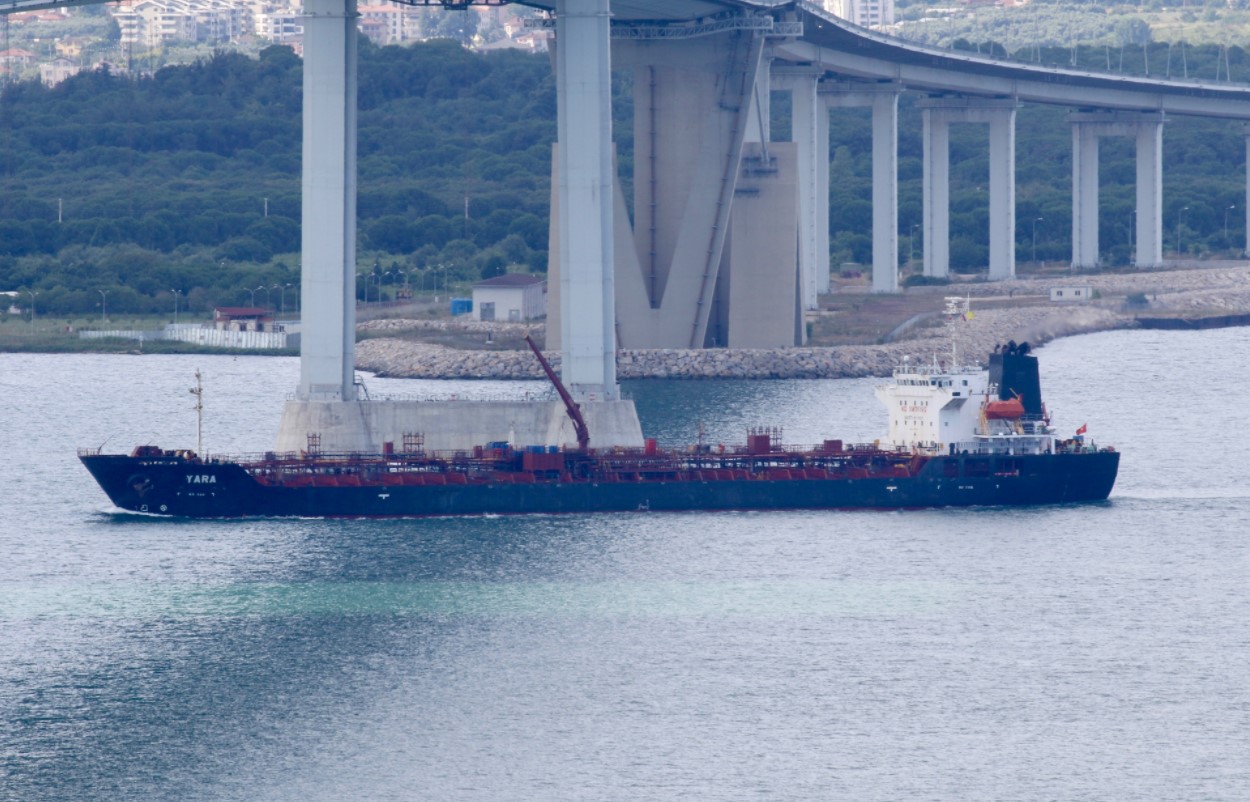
958	436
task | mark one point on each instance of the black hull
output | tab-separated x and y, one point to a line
172	486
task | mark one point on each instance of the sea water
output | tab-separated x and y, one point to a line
1098	651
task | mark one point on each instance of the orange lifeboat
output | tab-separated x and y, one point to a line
1004	410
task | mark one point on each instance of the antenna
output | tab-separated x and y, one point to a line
956	307
198	392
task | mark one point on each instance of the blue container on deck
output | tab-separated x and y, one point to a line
461	306
535	449
553	449
500	444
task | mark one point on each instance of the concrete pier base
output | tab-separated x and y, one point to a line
347	426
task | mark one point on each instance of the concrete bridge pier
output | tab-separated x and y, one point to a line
823	280
1147	131
328	246
696	104
882	98
1000	115
1149	136
813	157
1246	132
327	415
586	193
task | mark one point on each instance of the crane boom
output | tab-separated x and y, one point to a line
571	406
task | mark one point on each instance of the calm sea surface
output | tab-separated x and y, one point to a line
1098	652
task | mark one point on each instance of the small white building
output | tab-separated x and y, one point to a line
57	70
512	297
1071	294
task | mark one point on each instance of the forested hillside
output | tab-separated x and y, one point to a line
163	183
189	180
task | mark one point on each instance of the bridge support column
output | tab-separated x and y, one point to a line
885	192
584	121
883	100
805	133
328	238
693	103
1150	192
1246	132
1146	128
1002	123
1084	197
1000	115
823	282
936	195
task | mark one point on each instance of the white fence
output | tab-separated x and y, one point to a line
216	338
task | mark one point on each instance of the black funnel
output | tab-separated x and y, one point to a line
1015	372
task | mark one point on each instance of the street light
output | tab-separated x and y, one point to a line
32	295
1036	220
1179	215
281	297
266	289
911	257
253	293
1226	211
175	292
104	305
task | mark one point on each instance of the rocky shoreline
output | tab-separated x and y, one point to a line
1214	291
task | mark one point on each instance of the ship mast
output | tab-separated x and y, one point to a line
198	392
575	412
956	308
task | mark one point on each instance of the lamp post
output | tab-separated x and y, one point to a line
911	239
281	297
1226	211
293	287
1036	220
104	306
253	294
175	292
1179	216
32	295
266	289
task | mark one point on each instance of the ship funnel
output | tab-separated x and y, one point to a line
1014	370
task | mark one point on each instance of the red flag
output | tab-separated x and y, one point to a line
1083	429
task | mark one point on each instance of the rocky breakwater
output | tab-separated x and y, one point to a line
974	339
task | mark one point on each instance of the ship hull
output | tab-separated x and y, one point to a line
172	486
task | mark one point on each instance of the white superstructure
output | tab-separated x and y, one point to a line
931	406
938	409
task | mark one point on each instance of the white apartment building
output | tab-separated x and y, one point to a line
867	13
279	25
151	23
